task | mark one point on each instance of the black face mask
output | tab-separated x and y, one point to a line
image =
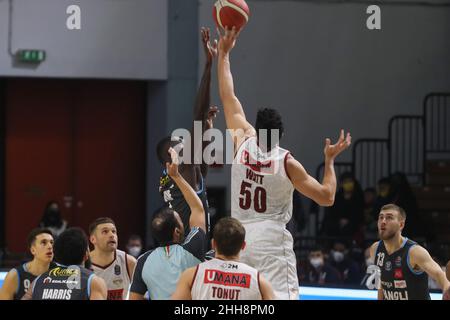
53	218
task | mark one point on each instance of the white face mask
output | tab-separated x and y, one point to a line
316	262
134	251
337	256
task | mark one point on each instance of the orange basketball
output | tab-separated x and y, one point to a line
231	13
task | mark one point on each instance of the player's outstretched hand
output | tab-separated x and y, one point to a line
172	168
331	151
227	38
212	114
210	49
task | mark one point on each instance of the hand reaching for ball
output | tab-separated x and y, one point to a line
172	168
210	49
227	38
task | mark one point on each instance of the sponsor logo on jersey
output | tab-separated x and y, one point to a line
395	295
117	270
400	284
164	180
398	274
60	281
227	278
398	261
117	282
388	266
386	284
115	294
64	272
256	165
229	266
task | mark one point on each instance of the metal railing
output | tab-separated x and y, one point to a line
436	110
436	133
406	146
370	161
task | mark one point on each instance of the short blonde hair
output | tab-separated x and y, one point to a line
394	207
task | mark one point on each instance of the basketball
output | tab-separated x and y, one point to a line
231	13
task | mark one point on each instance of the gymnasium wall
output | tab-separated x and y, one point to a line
324	70
118	39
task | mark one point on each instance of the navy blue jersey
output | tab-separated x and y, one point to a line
24	279
399	281
63	283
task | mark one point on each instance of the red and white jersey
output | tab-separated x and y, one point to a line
116	276
225	280
260	186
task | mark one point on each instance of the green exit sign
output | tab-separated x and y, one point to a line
31	56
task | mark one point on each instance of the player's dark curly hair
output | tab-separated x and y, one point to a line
70	247
268	119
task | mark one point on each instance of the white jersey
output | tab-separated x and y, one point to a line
225	280
261	199
260	186
116	276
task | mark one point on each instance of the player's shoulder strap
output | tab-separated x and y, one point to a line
409	243
379	246
242	144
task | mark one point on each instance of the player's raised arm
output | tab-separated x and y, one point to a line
234	113
203	111
197	218
322	193
202	101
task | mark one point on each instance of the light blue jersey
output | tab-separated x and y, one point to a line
157	271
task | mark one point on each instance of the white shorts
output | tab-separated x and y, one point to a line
269	249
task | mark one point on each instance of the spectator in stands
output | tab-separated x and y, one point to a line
403	196
134	245
370	216
318	271
349	269
345	217
356	253
52	219
384	194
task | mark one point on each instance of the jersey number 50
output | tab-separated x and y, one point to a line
259	198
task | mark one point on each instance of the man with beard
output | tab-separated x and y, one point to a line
19	279
112	265
403	264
